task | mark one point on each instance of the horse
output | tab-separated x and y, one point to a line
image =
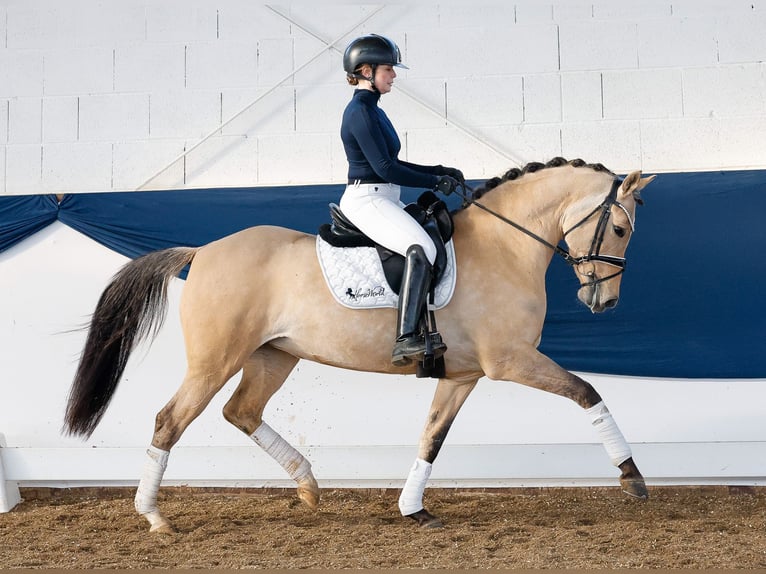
506	233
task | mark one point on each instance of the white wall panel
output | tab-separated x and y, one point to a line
643	94
233	159
60	119
542	98
113	117
470	103
79	71
23	169
598	45
90	163
25	120
181	21
741	38
677	42
677	145
182	113
616	144
581	96
725	91
136	162
149	67
21	73
222	64
268	111
283	160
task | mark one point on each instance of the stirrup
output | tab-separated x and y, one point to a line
418	349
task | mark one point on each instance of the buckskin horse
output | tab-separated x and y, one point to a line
262	324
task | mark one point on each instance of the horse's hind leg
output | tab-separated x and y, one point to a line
188	402
448	398
263	374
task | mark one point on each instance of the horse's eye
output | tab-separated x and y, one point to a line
619	231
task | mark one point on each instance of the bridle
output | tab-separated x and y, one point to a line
594	253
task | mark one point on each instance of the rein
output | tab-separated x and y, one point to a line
598	236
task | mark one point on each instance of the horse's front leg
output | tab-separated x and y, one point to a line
540	372
448	398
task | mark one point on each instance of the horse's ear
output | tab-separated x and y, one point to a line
633	184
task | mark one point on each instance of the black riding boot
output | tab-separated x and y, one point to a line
410	342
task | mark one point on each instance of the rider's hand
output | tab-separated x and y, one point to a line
446	184
455	173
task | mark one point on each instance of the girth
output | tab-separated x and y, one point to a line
432	214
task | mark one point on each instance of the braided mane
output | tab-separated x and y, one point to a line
515	173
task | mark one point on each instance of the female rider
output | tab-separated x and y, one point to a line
375	174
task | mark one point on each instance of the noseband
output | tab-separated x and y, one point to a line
594	253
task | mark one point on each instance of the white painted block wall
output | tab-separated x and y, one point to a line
100	97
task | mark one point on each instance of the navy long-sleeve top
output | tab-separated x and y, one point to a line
372	146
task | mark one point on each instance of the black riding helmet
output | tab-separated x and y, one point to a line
371	49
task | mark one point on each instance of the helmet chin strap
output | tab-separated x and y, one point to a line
371	79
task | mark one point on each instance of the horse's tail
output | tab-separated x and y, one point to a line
131	308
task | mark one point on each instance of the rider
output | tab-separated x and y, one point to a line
371	198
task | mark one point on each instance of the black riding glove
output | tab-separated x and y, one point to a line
446	184
455	173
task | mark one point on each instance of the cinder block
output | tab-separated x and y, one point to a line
581	97
181	21
279	154
190	114
60	119
320	108
742	38
643	94
109	24
25	120
23	169
693	8
598	45
238	21
615	144
78	71
276	62
4	111
114	117
677	42
2	170
542	98
315	63
259	111
224	161
416	104
460	15
534	13
77	167
21	74
469	102
149	67
568	12
633	10
665	144
219	65
742	142
729	91
40	26
137	162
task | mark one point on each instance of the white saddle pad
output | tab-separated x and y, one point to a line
356	279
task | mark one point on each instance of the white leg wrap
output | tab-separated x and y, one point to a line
614	443
411	498
149	486
280	450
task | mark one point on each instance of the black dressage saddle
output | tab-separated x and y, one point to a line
430	211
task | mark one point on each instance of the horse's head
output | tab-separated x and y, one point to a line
597	237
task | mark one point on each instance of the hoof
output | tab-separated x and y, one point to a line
159	523
635	488
425	519
308	493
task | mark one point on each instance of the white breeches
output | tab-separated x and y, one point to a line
376	210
